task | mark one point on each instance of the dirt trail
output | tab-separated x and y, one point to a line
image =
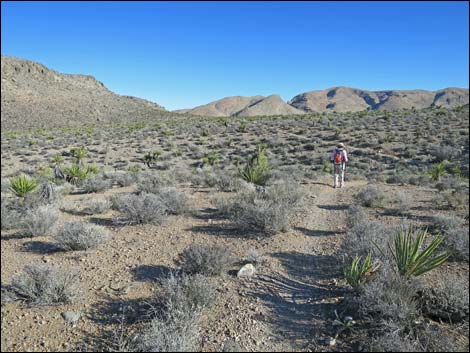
301	293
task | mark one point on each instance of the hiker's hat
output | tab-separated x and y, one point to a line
340	145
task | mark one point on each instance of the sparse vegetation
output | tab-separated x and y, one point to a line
45	285
206	260
77	235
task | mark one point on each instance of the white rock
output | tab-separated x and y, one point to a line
246	271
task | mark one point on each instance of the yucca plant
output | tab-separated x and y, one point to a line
356	273
79	154
75	174
211	158
411	260
437	171
151	158
22	185
257	170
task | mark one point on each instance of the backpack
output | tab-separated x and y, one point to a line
338	157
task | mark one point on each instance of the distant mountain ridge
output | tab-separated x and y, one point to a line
34	96
342	99
337	99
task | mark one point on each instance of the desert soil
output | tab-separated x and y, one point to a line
284	307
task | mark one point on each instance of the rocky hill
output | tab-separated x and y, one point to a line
244	106
342	99
34	96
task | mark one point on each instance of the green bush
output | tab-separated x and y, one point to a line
257	170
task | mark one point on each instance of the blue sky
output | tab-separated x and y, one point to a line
189	53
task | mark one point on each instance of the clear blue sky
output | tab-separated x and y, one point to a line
185	54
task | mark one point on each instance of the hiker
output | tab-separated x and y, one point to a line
339	157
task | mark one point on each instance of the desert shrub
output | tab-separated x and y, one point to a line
142	208
98	207
447	301
434	338
175	201
393	342
269	211
41	220
356	215
456	238
11	215
366	237
389	299
444	153
22	185
45	285
228	182
187	292
77	235
207	260
96	184
254	257
371	196
452	200
152	183
170	335
402	203
456	241
125	179
175	328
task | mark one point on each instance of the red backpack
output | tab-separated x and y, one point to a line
338	157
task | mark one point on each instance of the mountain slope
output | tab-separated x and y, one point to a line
342	99
271	105
243	106
34	96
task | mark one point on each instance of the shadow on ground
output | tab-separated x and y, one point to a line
40	247
318	233
151	273
299	303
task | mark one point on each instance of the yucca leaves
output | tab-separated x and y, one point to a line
257	169
408	256
437	171
358	270
75	174
22	185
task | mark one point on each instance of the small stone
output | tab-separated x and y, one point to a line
246	271
332	342
71	316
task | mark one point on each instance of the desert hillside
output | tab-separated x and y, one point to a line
34	96
343	99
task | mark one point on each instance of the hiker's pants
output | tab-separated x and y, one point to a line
339	173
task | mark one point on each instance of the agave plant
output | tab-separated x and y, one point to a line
410	258
357	272
22	185
75	174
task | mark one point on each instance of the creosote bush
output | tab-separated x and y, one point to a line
447	301
371	196
142	208
268	211
45	285
207	260
175	327
77	235
41	220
